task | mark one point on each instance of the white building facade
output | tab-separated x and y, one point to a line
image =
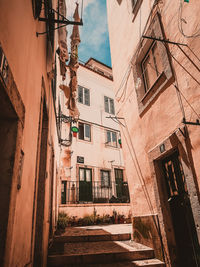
93	170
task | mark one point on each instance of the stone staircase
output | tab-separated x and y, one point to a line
99	248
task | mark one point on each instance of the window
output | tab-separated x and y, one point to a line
151	67
152	70
109	105
111	138
84	131
83	95
105	178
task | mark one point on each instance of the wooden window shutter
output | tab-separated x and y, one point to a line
87	97
81	131
106	104
108	137
87	131
112	109
80	94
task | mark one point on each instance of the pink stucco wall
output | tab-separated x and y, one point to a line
27	58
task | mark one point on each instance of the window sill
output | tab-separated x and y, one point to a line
110	146
151	95
83	104
84	141
109	113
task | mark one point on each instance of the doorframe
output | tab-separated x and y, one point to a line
42	121
177	141
11	90
91	175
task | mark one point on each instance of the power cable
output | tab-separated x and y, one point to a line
177	87
180	21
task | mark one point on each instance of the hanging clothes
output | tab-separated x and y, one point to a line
62	42
73	66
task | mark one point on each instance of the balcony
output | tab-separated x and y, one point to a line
94	192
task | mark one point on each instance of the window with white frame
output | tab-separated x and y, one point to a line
109	105
105	178
111	138
83	95
84	131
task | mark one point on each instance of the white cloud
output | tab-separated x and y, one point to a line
95	26
94	32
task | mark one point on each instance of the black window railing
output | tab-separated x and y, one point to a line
94	192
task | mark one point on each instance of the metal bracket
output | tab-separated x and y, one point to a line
65	142
116	119
64	118
191	122
64	21
163	40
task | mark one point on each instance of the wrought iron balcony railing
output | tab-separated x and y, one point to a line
94	192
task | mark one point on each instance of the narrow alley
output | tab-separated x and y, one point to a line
99	127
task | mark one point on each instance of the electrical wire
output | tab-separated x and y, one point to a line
177	88
125	87
180	21
123	79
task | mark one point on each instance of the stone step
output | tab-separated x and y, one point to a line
92	238
144	263
149	263
98	252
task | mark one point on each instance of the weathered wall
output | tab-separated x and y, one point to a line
81	210
27	58
146	131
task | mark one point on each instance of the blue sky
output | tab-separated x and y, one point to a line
94	32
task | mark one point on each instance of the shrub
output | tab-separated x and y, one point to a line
88	220
63	220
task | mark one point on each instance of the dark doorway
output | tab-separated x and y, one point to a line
118	182
8	136
181	212
85	184
38	250
122	190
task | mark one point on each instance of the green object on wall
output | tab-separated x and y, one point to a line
187	1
